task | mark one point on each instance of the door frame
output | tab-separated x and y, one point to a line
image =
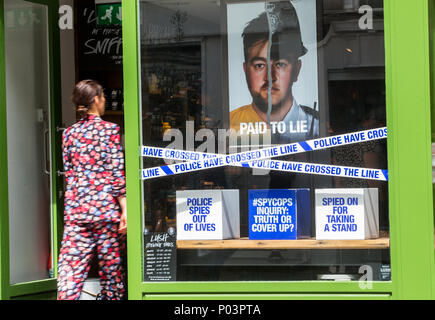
8	291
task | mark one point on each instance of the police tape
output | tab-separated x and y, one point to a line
202	161
295	167
319	169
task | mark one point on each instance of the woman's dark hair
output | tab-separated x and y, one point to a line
84	94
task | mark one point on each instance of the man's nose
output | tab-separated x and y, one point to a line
273	73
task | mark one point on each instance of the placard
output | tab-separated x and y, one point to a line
347	214
208	215
280	214
99	47
385	272
282	36
160	256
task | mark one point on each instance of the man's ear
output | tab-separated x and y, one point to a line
244	67
297	70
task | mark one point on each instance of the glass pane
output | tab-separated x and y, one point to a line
253	84
28	105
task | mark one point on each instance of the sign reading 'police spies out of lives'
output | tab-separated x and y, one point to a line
279	214
347	214
208	215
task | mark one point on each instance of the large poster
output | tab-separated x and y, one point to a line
273	42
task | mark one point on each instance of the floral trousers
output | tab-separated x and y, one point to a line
77	250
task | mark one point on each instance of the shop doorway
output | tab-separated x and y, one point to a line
33	131
98	55
41	65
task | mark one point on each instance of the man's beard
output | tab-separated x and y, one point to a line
262	104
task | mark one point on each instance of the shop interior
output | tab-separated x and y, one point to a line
97	48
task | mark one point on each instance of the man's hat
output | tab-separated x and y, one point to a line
281	20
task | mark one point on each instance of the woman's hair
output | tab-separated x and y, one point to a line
84	94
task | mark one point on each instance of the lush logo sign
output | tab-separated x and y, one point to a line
24	18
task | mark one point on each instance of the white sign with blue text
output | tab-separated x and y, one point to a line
347	214
208	215
279	214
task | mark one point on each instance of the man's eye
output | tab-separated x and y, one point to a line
281	64
259	65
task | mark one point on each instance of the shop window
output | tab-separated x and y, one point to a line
235	187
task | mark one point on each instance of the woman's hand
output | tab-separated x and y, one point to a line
123	223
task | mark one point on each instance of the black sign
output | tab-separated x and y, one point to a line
98	47
385	270
160	256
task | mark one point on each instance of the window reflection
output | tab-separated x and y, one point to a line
198	81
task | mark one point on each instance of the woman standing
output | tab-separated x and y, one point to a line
95	203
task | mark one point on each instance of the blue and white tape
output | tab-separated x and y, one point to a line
202	161
319	169
287	166
172	154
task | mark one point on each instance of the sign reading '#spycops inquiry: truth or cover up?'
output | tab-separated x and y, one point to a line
279	214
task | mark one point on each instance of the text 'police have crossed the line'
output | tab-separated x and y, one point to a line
201	161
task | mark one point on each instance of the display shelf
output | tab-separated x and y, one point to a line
114	113
245	243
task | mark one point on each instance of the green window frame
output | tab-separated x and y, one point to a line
409	88
409	163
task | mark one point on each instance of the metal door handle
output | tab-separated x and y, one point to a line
58	172
47	171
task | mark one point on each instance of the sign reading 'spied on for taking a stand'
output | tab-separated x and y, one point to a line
208	215
347	214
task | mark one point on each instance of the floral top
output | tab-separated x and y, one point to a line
94	171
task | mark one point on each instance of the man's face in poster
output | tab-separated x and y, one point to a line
284	72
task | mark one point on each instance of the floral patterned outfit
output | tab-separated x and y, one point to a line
94	173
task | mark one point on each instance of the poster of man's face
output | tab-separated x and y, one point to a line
272	54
